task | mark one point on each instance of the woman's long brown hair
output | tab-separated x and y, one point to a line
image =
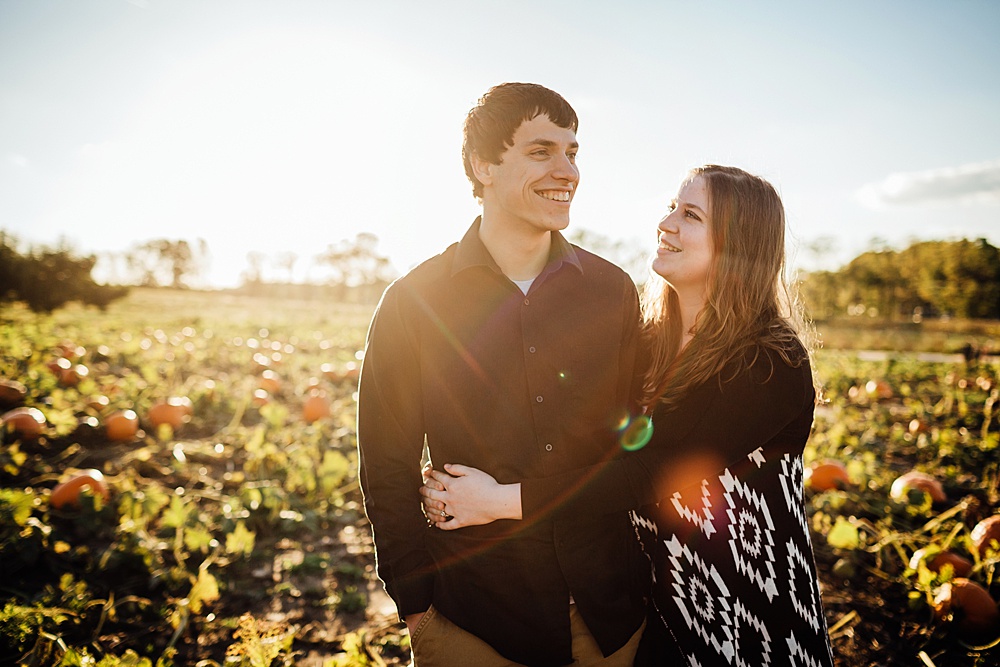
749	305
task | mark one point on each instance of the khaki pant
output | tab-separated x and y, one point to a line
437	642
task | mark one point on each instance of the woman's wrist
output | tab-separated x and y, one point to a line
511	501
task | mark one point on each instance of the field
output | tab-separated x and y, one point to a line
232	531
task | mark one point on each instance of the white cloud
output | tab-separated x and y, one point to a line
969	183
17	160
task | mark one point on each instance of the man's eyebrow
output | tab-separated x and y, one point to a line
548	143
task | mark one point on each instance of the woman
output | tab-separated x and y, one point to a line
717	490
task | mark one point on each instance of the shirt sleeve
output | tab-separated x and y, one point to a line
633	357
390	445
711	428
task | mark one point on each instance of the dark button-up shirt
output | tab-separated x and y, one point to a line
521	386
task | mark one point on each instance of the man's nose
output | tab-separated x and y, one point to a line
565	169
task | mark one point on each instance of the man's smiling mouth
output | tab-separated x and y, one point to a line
555	195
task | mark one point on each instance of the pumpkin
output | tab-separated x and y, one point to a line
172	411
270	382
27	423
316	406
969	607
986	535
826	475
70	377
934	559
98	402
919	481
878	389
12	392
67	494
122	425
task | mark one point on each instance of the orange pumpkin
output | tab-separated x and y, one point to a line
173	411
316	407
270	382
986	535
260	398
919	481
67	494
70	350
878	389
934	559
12	392
970	608
70	377
826	475
121	426
98	402
27	423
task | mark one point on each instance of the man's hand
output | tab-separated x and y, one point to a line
412	621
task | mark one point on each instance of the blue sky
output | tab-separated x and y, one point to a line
283	127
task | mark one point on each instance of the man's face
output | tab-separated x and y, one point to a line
536	180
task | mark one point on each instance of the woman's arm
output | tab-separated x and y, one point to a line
710	429
475	497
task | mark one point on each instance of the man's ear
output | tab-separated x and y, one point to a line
481	169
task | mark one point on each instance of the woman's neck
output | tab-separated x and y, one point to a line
691	305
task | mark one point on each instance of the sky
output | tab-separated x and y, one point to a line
284	127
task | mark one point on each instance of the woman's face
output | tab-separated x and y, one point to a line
685	253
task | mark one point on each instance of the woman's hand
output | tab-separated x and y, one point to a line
464	496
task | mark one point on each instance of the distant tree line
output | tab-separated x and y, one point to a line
47	278
927	279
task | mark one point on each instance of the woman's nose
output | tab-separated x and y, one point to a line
667	224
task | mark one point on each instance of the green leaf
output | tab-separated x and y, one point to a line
205	589
177	514
241	541
197	538
16	505
843	535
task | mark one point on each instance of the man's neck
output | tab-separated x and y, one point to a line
521	255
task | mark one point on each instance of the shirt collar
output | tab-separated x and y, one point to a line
472	252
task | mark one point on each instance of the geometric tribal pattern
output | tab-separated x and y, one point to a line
791	486
808	610
799	655
702	598
707	524
721	585
751	533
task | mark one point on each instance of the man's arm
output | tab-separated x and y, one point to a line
390	444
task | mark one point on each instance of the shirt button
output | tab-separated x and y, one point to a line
526	302
548	447
531	349
539	399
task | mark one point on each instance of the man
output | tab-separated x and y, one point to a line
512	351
